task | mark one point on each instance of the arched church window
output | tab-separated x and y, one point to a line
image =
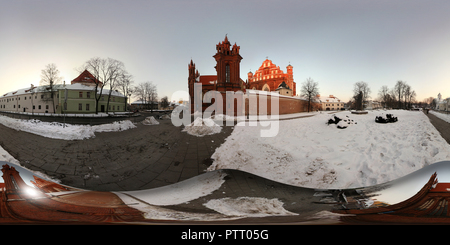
227	73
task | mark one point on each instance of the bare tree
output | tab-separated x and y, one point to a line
428	101
49	79
139	92
361	89
164	102
104	71
392	98
407	92
124	86
117	70
152	93
309	90
147	93
399	90
383	94
411	98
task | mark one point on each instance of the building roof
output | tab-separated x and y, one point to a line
76	86
208	79
140	102
86	78
330	99
283	85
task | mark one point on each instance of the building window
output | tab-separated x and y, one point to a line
88	94
87	107
80	94
80	107
39	107
227	73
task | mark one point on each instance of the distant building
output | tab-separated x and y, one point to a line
144	105
77	97
331	103
442	104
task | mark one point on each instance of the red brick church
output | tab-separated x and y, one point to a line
228	62
269	77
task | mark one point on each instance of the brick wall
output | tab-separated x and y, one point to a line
262	105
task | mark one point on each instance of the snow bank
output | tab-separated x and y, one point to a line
151	202
162	213
57	130
183	191
150	121
165	117
5	156
224	117
308	152
114	127
201	127
248	207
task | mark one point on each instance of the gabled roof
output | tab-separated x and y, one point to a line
86	78
283	85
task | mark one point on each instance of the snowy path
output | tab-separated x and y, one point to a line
308	152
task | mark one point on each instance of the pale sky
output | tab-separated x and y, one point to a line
335	42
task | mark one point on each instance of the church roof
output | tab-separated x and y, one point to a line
283	85
208	79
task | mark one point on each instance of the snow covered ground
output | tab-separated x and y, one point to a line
63	131
201	127
152	201
443	116
306	152
310	153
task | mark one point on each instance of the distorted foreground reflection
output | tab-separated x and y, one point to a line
416	198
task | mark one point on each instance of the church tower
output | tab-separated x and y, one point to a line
290	79
14	184
228	66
